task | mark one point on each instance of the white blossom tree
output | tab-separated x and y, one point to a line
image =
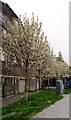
26	46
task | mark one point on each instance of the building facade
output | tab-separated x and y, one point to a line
6	15
11	79
9	84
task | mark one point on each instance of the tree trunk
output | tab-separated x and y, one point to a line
27	80
26	96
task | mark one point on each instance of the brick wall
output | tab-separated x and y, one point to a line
9	85
5	8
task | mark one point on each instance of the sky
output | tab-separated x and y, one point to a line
54	15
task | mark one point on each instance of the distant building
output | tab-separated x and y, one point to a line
60	56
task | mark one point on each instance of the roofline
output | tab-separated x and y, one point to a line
9	8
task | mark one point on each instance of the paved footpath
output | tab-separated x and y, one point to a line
9	100
58	110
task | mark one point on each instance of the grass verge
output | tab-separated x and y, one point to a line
67	91
22	110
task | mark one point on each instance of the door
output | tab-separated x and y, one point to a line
21	86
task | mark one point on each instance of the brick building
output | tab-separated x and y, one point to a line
9	84
11	79
6	15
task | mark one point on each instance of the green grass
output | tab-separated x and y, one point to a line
67	91
24	110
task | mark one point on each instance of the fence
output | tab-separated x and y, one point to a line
9	85
48	83
15	84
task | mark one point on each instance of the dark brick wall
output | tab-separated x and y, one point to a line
7	11
9	86
12	70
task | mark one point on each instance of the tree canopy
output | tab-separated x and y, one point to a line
26	45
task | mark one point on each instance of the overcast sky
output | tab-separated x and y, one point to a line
54	15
